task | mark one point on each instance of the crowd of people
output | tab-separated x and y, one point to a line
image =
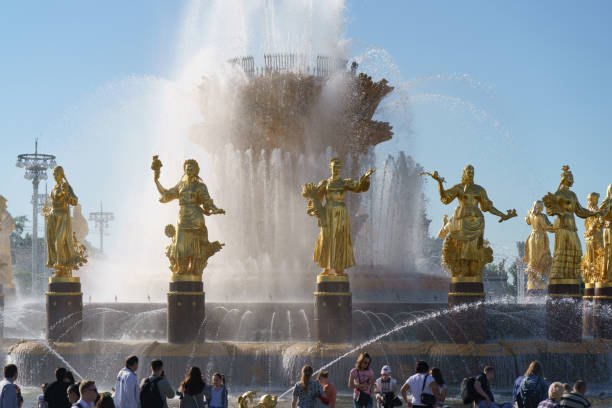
426	387
152	392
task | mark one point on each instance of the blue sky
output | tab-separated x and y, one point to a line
523	88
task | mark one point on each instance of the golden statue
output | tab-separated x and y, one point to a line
334	249
266	401
464	251
7	225
190	249
63	254
79	223
605	210
537	249
564	204
593	238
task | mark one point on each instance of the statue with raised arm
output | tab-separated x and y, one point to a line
334	248
593	239
464	251
537	248
564	204
63	253
7	225
605	210
190	249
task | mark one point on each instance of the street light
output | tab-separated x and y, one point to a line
36	165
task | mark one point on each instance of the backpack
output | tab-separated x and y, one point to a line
149	394
529	392
467	390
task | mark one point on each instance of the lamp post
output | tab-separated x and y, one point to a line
35	165
101	220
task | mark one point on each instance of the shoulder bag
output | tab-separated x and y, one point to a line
427	398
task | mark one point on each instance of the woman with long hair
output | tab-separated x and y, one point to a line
192	389
105	401
307	390
436	373
361	380
216	395
533	389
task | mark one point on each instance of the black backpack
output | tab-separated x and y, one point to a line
467	390
529	393
149	394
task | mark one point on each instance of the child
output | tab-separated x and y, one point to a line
386	389
41	398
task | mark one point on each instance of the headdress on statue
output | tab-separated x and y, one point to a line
464	176
335	162
3	199
195	164
567	178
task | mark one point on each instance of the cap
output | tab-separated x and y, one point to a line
385	370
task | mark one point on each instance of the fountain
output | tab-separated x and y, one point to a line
268	130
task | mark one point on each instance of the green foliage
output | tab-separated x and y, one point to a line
17	237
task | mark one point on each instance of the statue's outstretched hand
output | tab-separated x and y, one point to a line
369	173
509	214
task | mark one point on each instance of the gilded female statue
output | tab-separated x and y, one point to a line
593	239
7	225
334	248
190	248
605	210
568	251
463	251
63	253
537	249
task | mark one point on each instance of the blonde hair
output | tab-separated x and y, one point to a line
555	391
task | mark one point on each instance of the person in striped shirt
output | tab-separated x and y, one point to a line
576	398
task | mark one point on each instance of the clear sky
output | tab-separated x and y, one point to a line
516	88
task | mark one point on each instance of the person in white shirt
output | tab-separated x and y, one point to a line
419	384
127	392
89	394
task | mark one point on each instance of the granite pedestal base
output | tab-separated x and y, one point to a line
64	310
1	311
467	325
564	311
333	320
602	310
588	319
186	311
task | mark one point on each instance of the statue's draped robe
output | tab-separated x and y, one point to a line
7	224
537	249
190	242
60	245
593	239
463	245
606	212
567	256
334	248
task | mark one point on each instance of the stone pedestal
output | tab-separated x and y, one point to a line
587	310
536	289
467	325
185	322
564	311
602	310
333	320
64	310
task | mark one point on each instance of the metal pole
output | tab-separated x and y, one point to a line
34	232
101	231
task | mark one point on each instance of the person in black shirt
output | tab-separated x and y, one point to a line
484	395
55	393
